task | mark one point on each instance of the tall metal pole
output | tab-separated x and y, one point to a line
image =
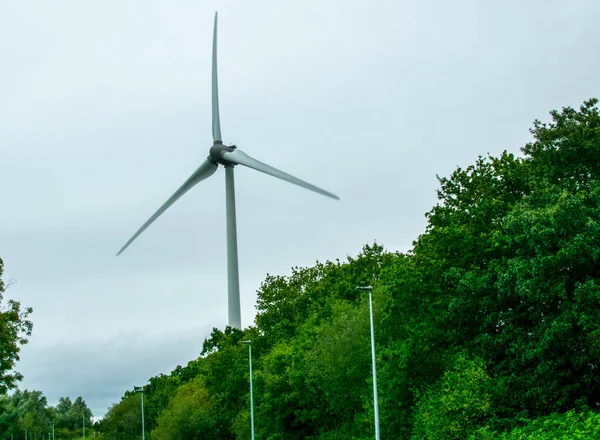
233	276
83	423
251	391
375	398
143	427
52	423
25	434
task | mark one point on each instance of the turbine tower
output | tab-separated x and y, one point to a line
229	157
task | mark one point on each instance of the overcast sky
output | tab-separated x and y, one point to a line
105	111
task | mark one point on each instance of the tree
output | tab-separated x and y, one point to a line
571	425
23	410
9	418
62	411
189	416
459	403
14	330
512	257
123	421
319	382
79	413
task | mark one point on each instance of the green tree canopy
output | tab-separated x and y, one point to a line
189	415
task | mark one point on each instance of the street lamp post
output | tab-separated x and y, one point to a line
83	423
52	423
375	398
251	396
143	428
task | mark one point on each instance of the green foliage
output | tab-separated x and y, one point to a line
68	415
566	151
189	415
461	401
566	426
548	317
285	303
15	327
319	382
29	410
512	251
123	421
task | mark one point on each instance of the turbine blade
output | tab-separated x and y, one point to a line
240	158
204	171
216	120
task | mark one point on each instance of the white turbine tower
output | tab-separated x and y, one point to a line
228	156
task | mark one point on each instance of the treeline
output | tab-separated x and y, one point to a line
488	328
28	412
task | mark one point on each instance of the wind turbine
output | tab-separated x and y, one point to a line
229	157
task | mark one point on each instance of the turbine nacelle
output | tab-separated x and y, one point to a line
215	154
